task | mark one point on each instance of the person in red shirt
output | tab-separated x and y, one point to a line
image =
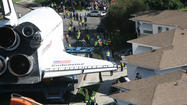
67	36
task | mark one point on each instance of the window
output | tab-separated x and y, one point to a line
167	29
147	32
159	29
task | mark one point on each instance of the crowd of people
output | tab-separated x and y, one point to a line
62	5
82	34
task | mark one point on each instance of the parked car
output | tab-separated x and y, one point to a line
97	13
103	13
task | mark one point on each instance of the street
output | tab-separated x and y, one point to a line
92	23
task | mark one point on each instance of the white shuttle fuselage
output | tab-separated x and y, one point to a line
35	50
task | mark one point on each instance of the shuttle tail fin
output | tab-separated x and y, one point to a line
9	13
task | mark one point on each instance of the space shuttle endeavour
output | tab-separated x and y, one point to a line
31	48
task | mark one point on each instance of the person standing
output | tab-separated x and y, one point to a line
71	22
85	18
122	65
86	27
92	100
138	76
82	22
100	77
84	94
80	17
108	55
69	45
69	30
78	35
108	58
86	37
77	16
74	15
67	36
96	43
100	44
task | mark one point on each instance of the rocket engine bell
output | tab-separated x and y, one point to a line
3	65
9	40
20	65
22	46
18	54
28	31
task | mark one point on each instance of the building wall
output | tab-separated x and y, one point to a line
145	72
144	27
149	28
163	28
140	48
133	69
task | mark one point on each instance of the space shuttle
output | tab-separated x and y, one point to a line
32	49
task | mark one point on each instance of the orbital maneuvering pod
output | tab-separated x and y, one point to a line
32	49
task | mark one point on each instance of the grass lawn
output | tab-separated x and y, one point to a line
184	9
80	97
16	0
1	17
40	1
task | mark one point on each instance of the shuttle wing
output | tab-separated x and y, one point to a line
66	64
56	62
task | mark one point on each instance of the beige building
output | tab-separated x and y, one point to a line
165	89
166	52
153	22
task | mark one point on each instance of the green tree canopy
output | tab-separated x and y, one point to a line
120	12
164	4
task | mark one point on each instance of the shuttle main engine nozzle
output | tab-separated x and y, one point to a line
28	31
3	65
20	65
9	39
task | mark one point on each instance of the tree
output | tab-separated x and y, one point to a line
118	19
164	4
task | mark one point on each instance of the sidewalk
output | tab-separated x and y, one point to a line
102	97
